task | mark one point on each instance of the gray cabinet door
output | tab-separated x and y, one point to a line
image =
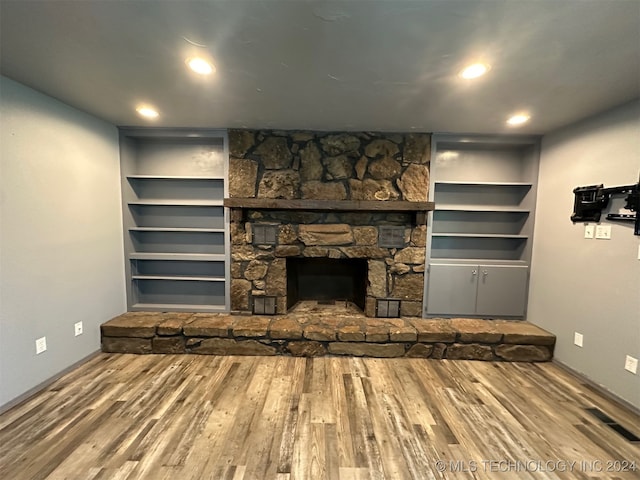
452	289
501	290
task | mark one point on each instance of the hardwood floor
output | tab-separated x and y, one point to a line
207	417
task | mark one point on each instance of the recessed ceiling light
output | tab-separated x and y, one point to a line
518	119
147	111
474	71
200	65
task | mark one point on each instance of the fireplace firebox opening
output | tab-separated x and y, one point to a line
326	280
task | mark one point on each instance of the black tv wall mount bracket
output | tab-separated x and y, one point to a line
589	202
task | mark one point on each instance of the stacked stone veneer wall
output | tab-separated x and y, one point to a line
328	166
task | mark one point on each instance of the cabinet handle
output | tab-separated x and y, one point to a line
485	273
474	272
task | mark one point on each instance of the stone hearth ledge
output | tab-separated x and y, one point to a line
317	335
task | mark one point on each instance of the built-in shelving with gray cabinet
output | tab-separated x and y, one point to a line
480	233
175	227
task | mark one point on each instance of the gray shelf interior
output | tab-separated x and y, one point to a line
177	216
184	189
490	161
179	292
483	186
178	242
506	223
477	195
478	248
175	156
178	268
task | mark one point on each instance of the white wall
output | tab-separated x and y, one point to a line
589	286
61	256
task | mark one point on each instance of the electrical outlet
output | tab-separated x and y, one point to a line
631	364
589	231
603	232
638	252
577	339
41	345
78	328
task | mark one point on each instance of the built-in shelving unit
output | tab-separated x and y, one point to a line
176	229
479	235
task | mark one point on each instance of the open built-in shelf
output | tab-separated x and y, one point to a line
173	185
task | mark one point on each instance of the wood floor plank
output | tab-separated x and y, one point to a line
320	389
401	380
262	449
317	452
331	455
355	424
364	428
218	446
290	419
289	434
346	457
351	473
301	454
386	416
156	417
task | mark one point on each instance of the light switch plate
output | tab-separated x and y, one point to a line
631	364
577	339
603	232
589	231
41	345
77	327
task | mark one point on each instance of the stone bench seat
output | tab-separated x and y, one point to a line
317	335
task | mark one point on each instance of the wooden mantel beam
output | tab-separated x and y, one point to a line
329	205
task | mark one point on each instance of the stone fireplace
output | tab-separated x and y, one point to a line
328	216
